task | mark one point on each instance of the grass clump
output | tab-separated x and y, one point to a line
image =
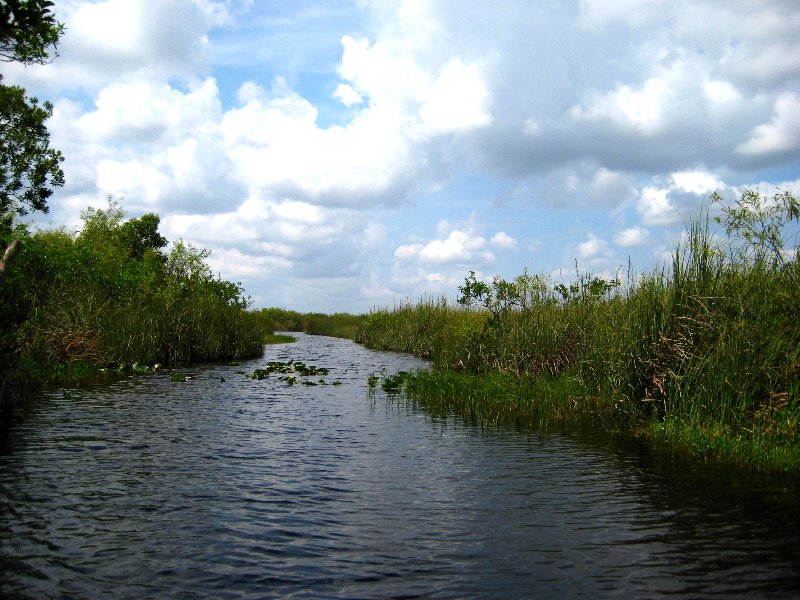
703	352
273	338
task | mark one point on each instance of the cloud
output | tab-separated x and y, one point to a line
376	291
152	144
278	147
347	95
592	249
751	44
720	92
459	247
678	198
301	142
583	184
111	40
422	73
503	241
655	208
781	134
633	236
642	110
142	112
456	100
696	182
438	265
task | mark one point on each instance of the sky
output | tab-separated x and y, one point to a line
345	155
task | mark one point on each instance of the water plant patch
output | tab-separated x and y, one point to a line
290	370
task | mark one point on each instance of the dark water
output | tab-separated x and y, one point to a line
240	488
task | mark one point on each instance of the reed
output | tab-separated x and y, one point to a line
703	352
430	329
339	325
109	295
496	399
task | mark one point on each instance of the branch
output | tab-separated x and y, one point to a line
8	258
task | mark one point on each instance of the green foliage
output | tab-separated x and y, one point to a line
430	329
336	325
526	330
29	168
525	292
339	325
705	352
28	29
279	339
110	294
141	235
587	289
280	319
761	223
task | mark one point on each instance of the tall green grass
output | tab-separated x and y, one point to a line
704	351
342	325
110	294
430	329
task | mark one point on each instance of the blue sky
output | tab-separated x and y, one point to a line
343	155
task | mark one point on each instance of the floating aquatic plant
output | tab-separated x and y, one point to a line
259	374
290	369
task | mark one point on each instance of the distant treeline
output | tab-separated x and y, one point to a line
115	293
340	325
704	353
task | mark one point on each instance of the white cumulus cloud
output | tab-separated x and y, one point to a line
503	241
781	134
311	146
632	236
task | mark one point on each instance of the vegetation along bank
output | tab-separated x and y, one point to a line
702	355
111	296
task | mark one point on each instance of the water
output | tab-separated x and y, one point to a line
148	488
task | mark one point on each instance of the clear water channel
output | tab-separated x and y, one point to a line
224	486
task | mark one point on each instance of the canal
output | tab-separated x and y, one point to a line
225	486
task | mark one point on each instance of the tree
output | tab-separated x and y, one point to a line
29	168
761	223
140	235
27	30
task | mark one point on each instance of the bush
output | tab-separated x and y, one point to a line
112	294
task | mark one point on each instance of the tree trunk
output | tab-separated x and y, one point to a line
8	258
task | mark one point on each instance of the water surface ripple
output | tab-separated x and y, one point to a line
227	487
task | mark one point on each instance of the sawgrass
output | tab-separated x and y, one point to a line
702	353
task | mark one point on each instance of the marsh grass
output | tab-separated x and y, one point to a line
75	303
279	339
494	398
341	325
431	329
703	352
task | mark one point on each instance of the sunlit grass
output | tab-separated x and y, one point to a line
703	353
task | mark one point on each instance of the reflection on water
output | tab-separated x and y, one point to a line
240	488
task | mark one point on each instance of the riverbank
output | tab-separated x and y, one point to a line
544	403
115	294
702	356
